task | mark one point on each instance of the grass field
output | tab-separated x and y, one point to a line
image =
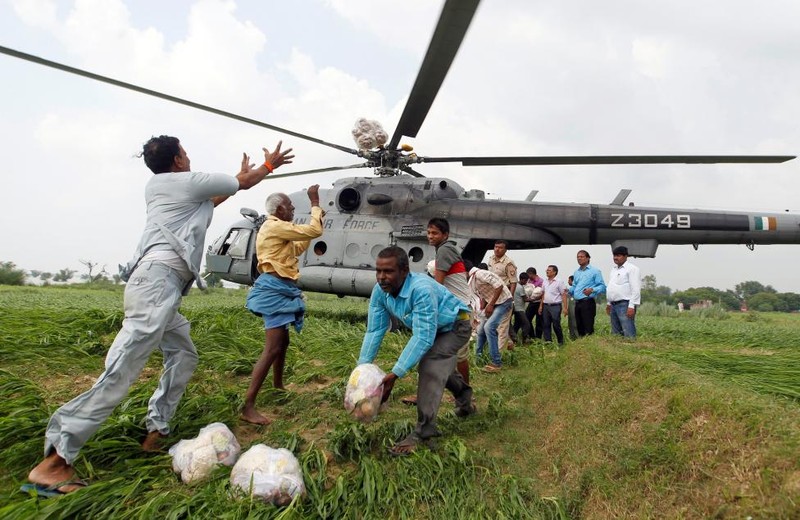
699	418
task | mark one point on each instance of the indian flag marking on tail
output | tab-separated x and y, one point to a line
766	223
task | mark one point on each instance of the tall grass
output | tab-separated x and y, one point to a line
485	466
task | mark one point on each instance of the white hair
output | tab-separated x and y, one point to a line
273	201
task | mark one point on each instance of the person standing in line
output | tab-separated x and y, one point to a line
624	294
532	311
520	320
275	296
587	286
573	328
503	266
180	205
552	306
497	302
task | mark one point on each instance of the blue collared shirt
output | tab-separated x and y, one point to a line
584	278
423	305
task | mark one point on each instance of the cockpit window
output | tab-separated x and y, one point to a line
236	242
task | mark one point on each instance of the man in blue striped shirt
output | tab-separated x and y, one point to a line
440	325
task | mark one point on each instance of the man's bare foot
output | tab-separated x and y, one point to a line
252	416
154	442
54	470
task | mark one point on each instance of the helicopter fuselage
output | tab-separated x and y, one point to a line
364	215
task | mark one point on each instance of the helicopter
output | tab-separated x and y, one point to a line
365	214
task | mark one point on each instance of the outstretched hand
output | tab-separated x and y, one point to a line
277	158
247	166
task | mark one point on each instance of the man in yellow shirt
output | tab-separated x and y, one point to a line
275	295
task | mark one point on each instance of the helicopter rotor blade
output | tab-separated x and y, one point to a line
411	171
610	159
447	37
317	170
167	97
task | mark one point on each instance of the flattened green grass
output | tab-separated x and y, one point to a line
698	418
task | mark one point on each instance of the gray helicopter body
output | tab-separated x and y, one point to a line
364	215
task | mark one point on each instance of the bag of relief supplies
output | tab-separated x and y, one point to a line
195	458
273	475
362	398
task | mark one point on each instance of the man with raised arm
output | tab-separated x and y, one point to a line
180	204
275	295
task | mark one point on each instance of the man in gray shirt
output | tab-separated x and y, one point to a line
180	204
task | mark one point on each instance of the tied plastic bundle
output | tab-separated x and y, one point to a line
272	475
195	458
432	268
533	293
369	134
362	398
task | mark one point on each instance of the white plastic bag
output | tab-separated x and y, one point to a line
369	134
534	293
362	398
194	459
274	475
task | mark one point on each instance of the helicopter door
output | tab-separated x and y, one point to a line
233	254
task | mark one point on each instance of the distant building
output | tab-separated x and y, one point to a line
702	304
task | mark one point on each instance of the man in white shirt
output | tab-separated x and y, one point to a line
624	293
553	305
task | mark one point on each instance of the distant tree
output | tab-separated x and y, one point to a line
791	300
34	273
696	294
117	279
745	290
652	292
10	275
45	277
766	302
90	277
212	279
64	275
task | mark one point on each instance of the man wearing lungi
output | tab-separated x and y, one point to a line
275	295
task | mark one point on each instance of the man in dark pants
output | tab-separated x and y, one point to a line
440	324
532	311
587	286
553	305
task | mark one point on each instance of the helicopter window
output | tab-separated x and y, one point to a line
349	199
235	244
415	254
352	250
320	248
375	250
442	185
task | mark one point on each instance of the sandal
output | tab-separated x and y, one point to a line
410	400
408	445
54	490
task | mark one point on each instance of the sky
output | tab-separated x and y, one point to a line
619	77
